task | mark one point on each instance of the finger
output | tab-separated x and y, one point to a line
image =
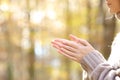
55	46
68	56
69	48
60	40
67	42
74	38
56	43
84	42
59	45
78	40
68	52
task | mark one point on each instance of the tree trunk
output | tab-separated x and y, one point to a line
68	31
31	55
109	31
88	17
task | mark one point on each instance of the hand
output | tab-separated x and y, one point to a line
74	49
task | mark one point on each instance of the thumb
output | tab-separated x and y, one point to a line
74	38
78	40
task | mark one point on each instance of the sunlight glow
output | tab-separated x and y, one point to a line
38	49
19	15
59	25
41	51
36	16
25	42
51	14
56	63
4	7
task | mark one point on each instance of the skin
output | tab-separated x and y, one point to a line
76	48
114	6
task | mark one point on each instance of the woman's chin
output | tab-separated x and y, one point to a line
117	15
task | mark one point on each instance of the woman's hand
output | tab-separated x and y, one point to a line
74	49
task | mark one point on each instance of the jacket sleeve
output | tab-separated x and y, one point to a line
98	68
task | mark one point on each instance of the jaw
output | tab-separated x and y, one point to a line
115	9
117	15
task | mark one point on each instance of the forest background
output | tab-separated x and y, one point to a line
27	28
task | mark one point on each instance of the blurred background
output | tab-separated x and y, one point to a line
27	28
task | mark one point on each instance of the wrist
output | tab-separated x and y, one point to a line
91	60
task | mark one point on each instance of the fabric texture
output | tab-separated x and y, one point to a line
98	68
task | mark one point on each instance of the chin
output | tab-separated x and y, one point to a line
117	15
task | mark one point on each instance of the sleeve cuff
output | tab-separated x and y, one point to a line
92	60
